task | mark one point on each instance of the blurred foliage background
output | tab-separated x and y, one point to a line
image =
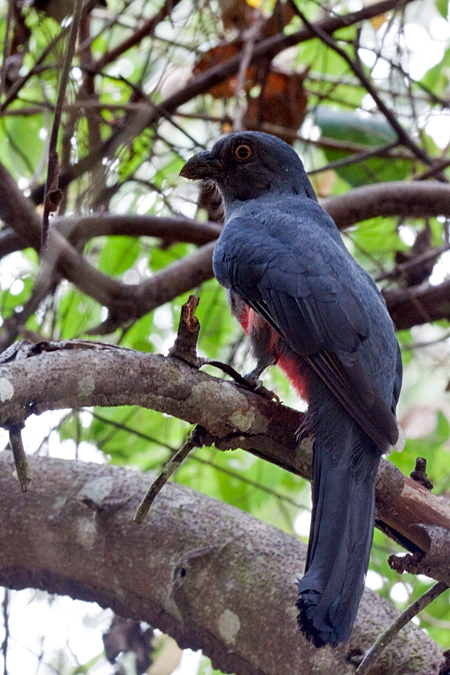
149	84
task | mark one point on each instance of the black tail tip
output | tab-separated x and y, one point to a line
315	629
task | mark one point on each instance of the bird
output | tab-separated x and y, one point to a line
309	307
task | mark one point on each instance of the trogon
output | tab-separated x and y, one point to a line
309	307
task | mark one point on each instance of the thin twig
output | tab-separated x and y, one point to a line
4	647
147	29
20	458
266	48
380	645
174	462
418	261
355	159
52	191
250	38
433	170
6	47
20	83
356	67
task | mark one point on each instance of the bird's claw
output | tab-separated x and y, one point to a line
255	384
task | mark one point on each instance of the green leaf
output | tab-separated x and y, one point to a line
442	431
370	132
160	258
442	7
405	338
25	145
129	435
216	321
437	77
207	669
376	238
119	254
76	314
138	336
433	448
345	126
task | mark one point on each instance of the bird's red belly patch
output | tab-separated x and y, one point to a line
291	367
246	318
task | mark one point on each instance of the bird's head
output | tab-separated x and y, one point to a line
249	164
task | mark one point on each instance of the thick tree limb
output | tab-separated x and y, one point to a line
166	229
208	574
73	374
402	199
408	307
127	302
418	305
407	199
77	373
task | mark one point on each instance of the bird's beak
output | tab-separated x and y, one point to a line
203	165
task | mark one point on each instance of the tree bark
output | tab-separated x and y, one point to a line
210	575
77	373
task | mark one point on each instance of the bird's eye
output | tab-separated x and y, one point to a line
243	152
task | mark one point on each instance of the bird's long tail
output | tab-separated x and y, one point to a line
344	473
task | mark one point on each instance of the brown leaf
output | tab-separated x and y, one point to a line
282	16
282	101
236	14
218	55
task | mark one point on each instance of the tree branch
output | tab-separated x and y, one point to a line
407	199
418	305
167	229
146	30
53	194
358	70
85	228
77	373
267	48
208	574
127	302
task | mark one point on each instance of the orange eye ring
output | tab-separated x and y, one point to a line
243	152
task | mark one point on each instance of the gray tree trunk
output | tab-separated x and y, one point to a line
208	574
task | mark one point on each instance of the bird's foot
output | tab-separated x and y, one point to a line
255	384
250	381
